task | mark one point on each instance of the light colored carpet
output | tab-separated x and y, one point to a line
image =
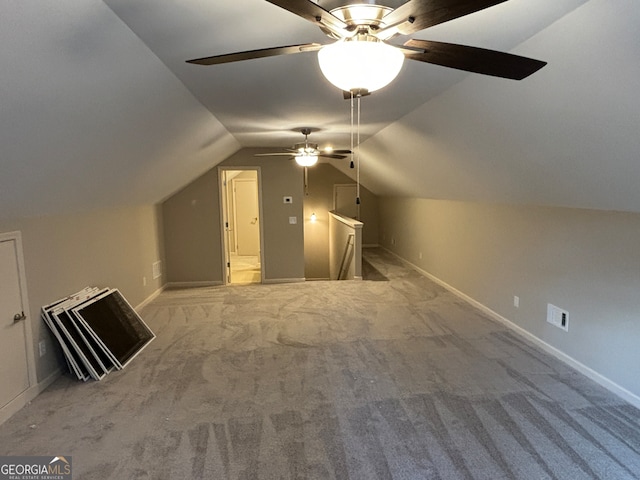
394	379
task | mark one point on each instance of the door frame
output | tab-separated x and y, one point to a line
30	392
224	212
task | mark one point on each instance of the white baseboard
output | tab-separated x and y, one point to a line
283	280
149	299
170	285
560	355
25	397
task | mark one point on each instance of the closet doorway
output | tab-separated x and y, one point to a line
242	225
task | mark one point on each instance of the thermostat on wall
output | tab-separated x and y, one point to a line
287	199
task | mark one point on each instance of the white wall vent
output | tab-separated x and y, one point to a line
558	317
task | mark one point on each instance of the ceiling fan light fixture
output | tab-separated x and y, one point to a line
306	160
361	63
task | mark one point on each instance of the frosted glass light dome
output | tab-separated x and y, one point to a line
359	64
306	160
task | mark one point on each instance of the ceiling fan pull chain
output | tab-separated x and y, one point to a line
351	165
358	162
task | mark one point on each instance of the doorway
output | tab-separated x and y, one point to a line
17	369
242	225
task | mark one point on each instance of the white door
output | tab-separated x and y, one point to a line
14	371
247	217
344	200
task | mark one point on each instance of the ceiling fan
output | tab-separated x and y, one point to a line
306	154
361	60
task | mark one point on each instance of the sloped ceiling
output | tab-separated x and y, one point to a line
100	109
90	118
567	136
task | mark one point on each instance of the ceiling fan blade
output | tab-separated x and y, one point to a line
331	155
260	53
312	12
279	154
416	15
473	59
342	152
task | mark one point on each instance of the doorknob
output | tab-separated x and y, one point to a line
18	317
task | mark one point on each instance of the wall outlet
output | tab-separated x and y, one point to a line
516	301
558	317
420	255
144	281
393	241
42	348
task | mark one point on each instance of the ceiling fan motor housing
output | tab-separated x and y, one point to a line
307	148
362	19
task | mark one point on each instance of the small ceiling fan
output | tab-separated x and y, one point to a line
306	154
361	61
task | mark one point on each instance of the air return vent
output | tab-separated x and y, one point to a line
558	317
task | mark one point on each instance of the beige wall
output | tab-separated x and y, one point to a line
319	200
584	261
192	240
292	252
192	223
106	248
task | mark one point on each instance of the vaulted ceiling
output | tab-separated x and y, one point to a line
99	108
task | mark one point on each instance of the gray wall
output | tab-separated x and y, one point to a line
192	240
106	248
319	200
584	261
192	223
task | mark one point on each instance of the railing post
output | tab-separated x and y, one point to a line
345	247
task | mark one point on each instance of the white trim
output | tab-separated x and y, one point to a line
225	248
560	355
283	280
149	299
352	222
15	405
224	207
215	283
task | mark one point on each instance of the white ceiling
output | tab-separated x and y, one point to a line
99	108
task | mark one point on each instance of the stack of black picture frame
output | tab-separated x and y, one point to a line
98	331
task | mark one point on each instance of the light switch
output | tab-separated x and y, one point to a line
293	220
